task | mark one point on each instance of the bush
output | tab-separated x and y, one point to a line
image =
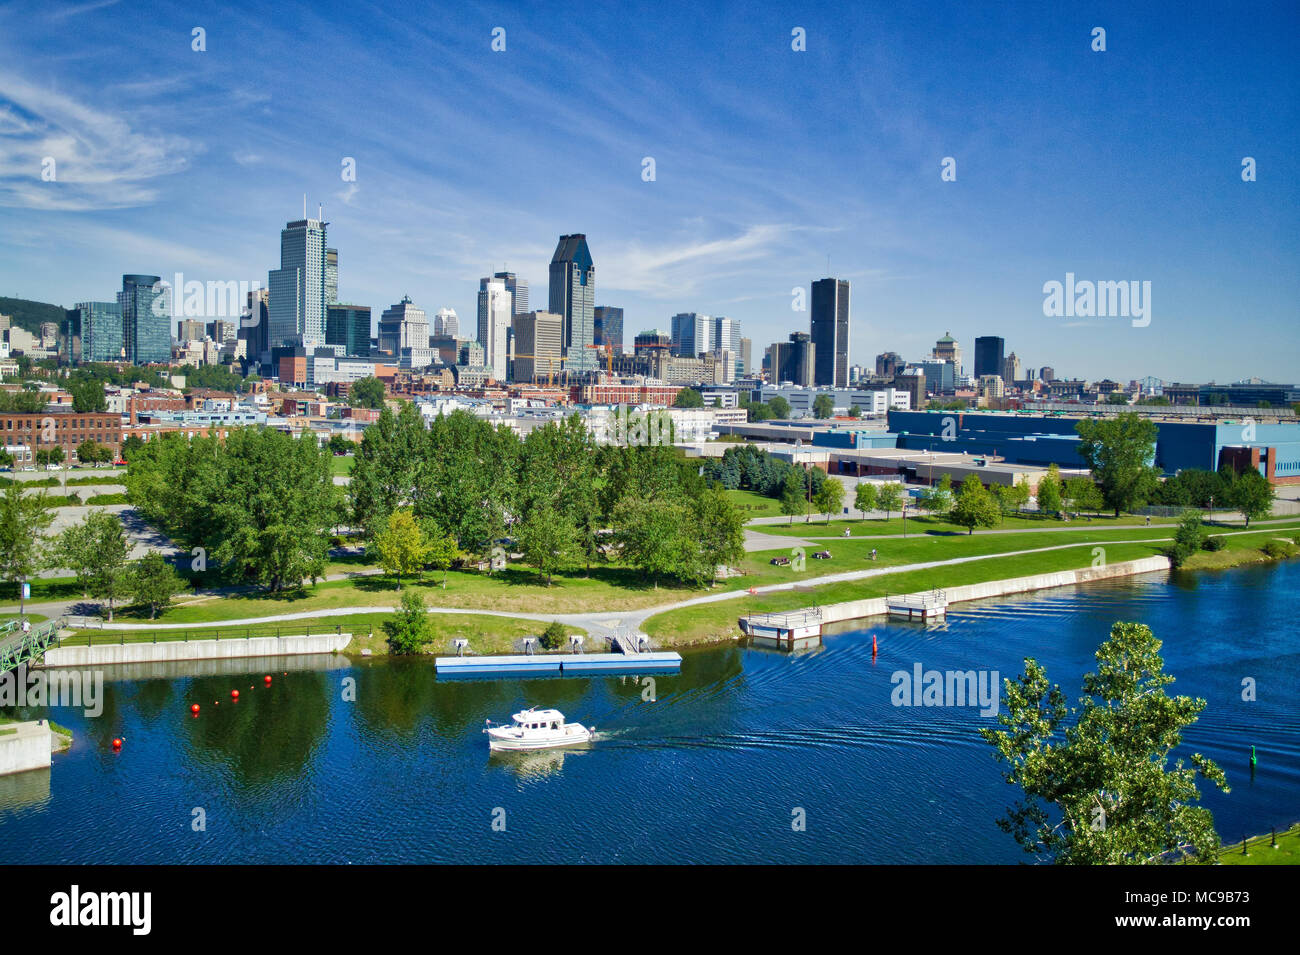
1213	543
1278	549
553	636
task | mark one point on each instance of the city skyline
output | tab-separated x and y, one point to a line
1092	174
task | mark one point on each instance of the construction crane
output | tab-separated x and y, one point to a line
609	356
550	360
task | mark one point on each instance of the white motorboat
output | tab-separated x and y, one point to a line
537	729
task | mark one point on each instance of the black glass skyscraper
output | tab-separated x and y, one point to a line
830	332
989	355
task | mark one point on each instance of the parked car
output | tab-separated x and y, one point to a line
780	562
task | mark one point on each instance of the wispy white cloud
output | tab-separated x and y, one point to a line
99	160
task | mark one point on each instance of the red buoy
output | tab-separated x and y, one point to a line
873	644
234	694
267	679
195	709
117	743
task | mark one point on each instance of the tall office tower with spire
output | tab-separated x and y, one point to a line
573	298
145	304
494	315
830	332
299	294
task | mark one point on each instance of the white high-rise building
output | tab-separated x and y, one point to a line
495	310
446	323
299	287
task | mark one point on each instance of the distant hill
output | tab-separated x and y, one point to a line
29	315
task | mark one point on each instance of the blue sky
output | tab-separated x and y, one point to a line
1115	165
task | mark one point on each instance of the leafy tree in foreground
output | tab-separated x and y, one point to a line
110	572
792	499
553	636
1097	784
547	539
408	629
153	582
23	519
719	528
1048	493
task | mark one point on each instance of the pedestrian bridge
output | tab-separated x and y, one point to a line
18	647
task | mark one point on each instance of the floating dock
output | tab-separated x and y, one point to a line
558	664
799	628
932	605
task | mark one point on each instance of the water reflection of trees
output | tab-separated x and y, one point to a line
269	735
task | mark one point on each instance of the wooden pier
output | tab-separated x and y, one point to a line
789	629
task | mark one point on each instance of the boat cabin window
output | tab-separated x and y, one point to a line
554	725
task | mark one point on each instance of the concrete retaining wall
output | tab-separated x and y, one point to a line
28	747
108	654
875	607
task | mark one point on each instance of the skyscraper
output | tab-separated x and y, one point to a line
101	331
331	276
446	324
539	338
518	289
609	327
692	334
989	357
795	361
401	326
349	326
146	319
746	356
726	338
830	332
947	349
494	315
299	291
573	298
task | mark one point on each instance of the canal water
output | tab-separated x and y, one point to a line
719	767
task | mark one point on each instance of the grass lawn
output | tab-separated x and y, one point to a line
341	464
818	527
485	634
752	504
1259	851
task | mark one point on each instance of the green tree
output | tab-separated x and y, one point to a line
547	539
719	529
974	506
1250	493
366	392
88	452
131	445
688	398
153	582
1097	784
779	407
889	498
865	498
823	406
829	498
855	411
400	547
340	445
23	521
938	499
1118	450
6	459
656	536
408	629
110	576
1082	494
76	548
87	394
792	495
1187	539
440	553
1048	492
552	637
